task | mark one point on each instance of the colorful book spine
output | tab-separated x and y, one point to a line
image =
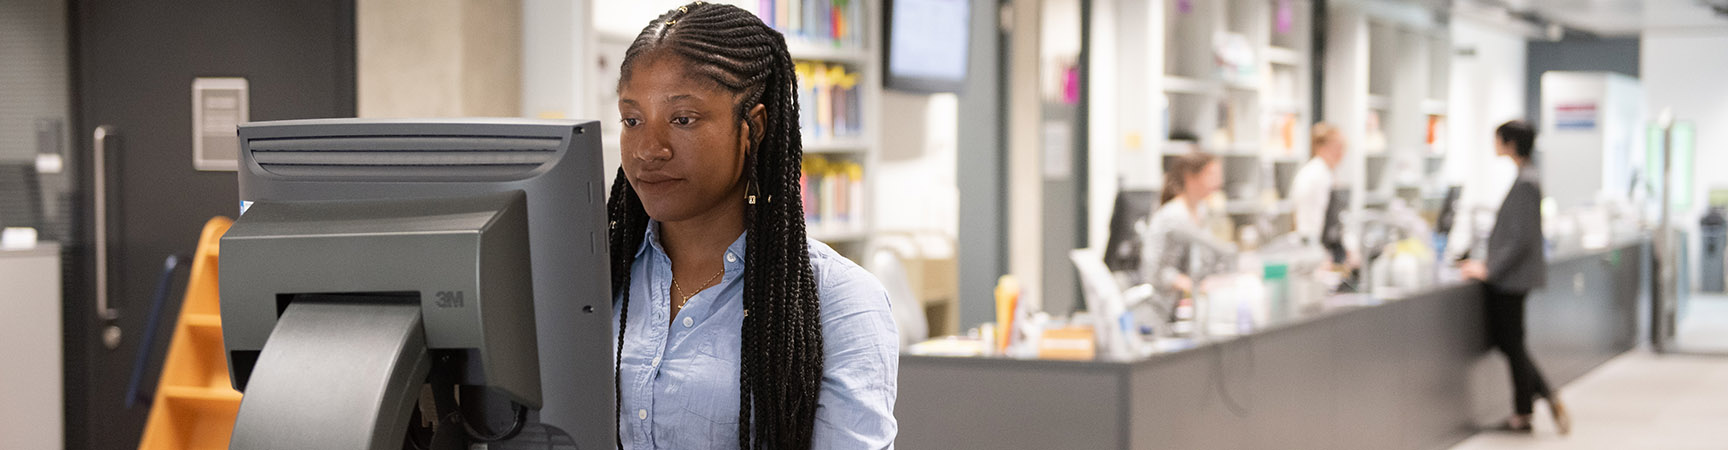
823	22
846	104
795	14
824	110
830	101
833	194
806	98
782	18
855	210
807	183
825	200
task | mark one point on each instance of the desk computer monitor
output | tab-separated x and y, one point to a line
1122	251
1332	233
926	44
553	166
1448	210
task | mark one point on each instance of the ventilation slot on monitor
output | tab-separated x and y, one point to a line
404	157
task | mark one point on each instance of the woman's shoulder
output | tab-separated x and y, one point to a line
1529	177
1169	214
843	284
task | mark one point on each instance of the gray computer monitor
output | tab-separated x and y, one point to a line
1122	249
557	166
1332	232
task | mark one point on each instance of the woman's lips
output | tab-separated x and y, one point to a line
656	180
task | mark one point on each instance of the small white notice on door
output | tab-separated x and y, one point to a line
1058	151
219	106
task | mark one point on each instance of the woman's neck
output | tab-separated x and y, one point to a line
701	239
1192	202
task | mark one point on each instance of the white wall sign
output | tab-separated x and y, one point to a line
1058	150
219	106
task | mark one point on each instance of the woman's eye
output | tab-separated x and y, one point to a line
631	122
683	121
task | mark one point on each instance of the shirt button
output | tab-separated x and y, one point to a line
656	362
688	322
731	257
642	414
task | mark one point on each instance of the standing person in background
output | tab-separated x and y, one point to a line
1311	191
1167	260
1515	266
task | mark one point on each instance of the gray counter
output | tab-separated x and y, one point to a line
31	394
1414	373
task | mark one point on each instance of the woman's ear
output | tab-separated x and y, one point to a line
757	118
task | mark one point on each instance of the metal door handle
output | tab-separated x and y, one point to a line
101	165
110	332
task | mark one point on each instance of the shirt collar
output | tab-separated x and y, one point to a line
651	241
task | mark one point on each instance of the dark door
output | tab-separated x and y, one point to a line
134	64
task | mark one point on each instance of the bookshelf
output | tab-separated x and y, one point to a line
1387	81
1236	83
1404	141
840	81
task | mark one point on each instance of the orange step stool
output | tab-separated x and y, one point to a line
195	404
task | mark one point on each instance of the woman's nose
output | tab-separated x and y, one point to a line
654	152
654	148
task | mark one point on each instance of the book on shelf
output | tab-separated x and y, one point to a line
829	101
833	194
1436	139
824	22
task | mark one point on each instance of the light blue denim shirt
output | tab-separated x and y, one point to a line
680	382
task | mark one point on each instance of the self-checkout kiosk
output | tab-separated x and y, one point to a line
431	284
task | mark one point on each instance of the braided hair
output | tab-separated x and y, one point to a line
780	371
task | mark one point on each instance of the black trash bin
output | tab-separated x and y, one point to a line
1713	234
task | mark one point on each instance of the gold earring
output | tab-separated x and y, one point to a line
749	197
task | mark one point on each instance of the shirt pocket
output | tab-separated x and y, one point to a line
712	390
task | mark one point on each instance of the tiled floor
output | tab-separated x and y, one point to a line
1643	401
1704	327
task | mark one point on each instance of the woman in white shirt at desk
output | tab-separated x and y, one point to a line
1168	257
1311	191
1312	188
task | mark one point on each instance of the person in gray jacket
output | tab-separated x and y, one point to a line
1178	249
1516	265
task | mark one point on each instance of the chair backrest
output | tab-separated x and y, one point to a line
1104	302
908	310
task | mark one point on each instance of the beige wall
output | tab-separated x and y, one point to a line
1025	157
439	58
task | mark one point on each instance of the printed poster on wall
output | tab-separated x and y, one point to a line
1579	116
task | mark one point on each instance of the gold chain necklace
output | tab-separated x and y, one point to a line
676	292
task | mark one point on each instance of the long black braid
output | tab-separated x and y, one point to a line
780	373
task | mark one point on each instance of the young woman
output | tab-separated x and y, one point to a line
1515	266
733	327
1169	255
